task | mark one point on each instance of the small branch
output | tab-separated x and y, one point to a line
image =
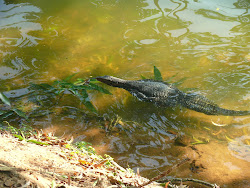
4	168
166	172
190	179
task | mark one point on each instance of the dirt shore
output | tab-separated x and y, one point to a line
56	163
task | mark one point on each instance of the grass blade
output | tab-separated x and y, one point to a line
99	88
20	113
6	114
85	100
89	105
189	89
171	78
37	142
157	74
4	99
179	82
69	77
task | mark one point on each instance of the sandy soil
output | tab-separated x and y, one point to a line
25	164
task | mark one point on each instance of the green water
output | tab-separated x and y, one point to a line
206	42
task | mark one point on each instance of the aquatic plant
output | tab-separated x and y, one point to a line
9	109
157	76
78	88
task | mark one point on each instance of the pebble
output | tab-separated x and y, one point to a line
9	182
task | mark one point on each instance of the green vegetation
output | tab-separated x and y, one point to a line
46	95
78	88
158	76
85	146
25	133
9	110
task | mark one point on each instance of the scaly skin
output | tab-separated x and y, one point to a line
164	94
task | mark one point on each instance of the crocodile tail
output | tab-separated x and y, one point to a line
226	112
112	81
202	104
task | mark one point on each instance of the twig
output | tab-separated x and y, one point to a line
4	168
117	166
166	172
190	179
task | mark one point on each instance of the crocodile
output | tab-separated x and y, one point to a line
166	95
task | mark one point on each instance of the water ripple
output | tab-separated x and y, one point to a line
15	68
17	21
17	25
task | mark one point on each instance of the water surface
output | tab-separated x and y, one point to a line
206	42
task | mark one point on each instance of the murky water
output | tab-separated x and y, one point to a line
205	41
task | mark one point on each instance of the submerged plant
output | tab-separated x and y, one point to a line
158	77
78	88
9	110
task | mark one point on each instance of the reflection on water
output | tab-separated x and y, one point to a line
240	147
204	41
21	16
17	21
